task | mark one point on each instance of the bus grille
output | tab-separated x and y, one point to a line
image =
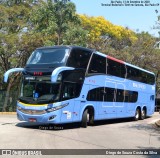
33	112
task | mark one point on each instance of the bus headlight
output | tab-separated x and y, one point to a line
57	107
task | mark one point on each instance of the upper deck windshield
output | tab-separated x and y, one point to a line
49	56
39	90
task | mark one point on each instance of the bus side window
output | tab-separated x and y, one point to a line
152	97
71	90
98	64
139	75
130	96
95	94
79	58
116	69
68	92
109	95
120	95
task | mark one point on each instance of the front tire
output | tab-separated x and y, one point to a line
84	119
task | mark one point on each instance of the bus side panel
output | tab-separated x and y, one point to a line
76	110
151	104
67	112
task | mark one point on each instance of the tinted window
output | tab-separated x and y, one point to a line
92	95
98	64
74	75
133	74
79	58
120	95
152	97
48	56
72	83
107	94
115	68
130	96
140	76
70	90
96	94
150	79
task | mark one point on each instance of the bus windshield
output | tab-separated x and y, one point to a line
39	90
49	56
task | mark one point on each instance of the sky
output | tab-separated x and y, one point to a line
137	18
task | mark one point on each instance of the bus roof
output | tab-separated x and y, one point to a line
99	53
66	46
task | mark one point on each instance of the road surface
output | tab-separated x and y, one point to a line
110	134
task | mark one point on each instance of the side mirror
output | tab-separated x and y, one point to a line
6	75
55	74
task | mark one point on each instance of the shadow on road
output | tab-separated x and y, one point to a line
70	125
151	128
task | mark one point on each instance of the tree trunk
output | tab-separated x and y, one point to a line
6	99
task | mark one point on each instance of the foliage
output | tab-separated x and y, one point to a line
103	30
75	35
25	25
15	43
144	54
54	19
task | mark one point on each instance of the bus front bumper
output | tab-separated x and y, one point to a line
48	117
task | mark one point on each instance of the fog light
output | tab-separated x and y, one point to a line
19	108
52	117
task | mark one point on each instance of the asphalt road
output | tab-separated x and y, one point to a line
110	134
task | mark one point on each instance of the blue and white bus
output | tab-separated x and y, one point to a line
64	84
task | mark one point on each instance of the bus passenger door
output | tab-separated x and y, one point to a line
68	97
79	104
108	105
119	104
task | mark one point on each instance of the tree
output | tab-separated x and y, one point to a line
14	41
102	33
75	35
143	53
54	19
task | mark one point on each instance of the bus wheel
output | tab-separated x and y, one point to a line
85	118
143	114
90	118
137	114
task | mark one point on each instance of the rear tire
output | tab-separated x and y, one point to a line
143	114
137	115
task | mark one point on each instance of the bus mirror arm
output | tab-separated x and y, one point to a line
7	73
57	71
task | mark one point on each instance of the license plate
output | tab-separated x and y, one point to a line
32	120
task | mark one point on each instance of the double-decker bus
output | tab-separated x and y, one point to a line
64	84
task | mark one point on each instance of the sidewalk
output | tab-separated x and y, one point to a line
7	113
157	123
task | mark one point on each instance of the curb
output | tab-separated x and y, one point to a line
157	123
7	113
